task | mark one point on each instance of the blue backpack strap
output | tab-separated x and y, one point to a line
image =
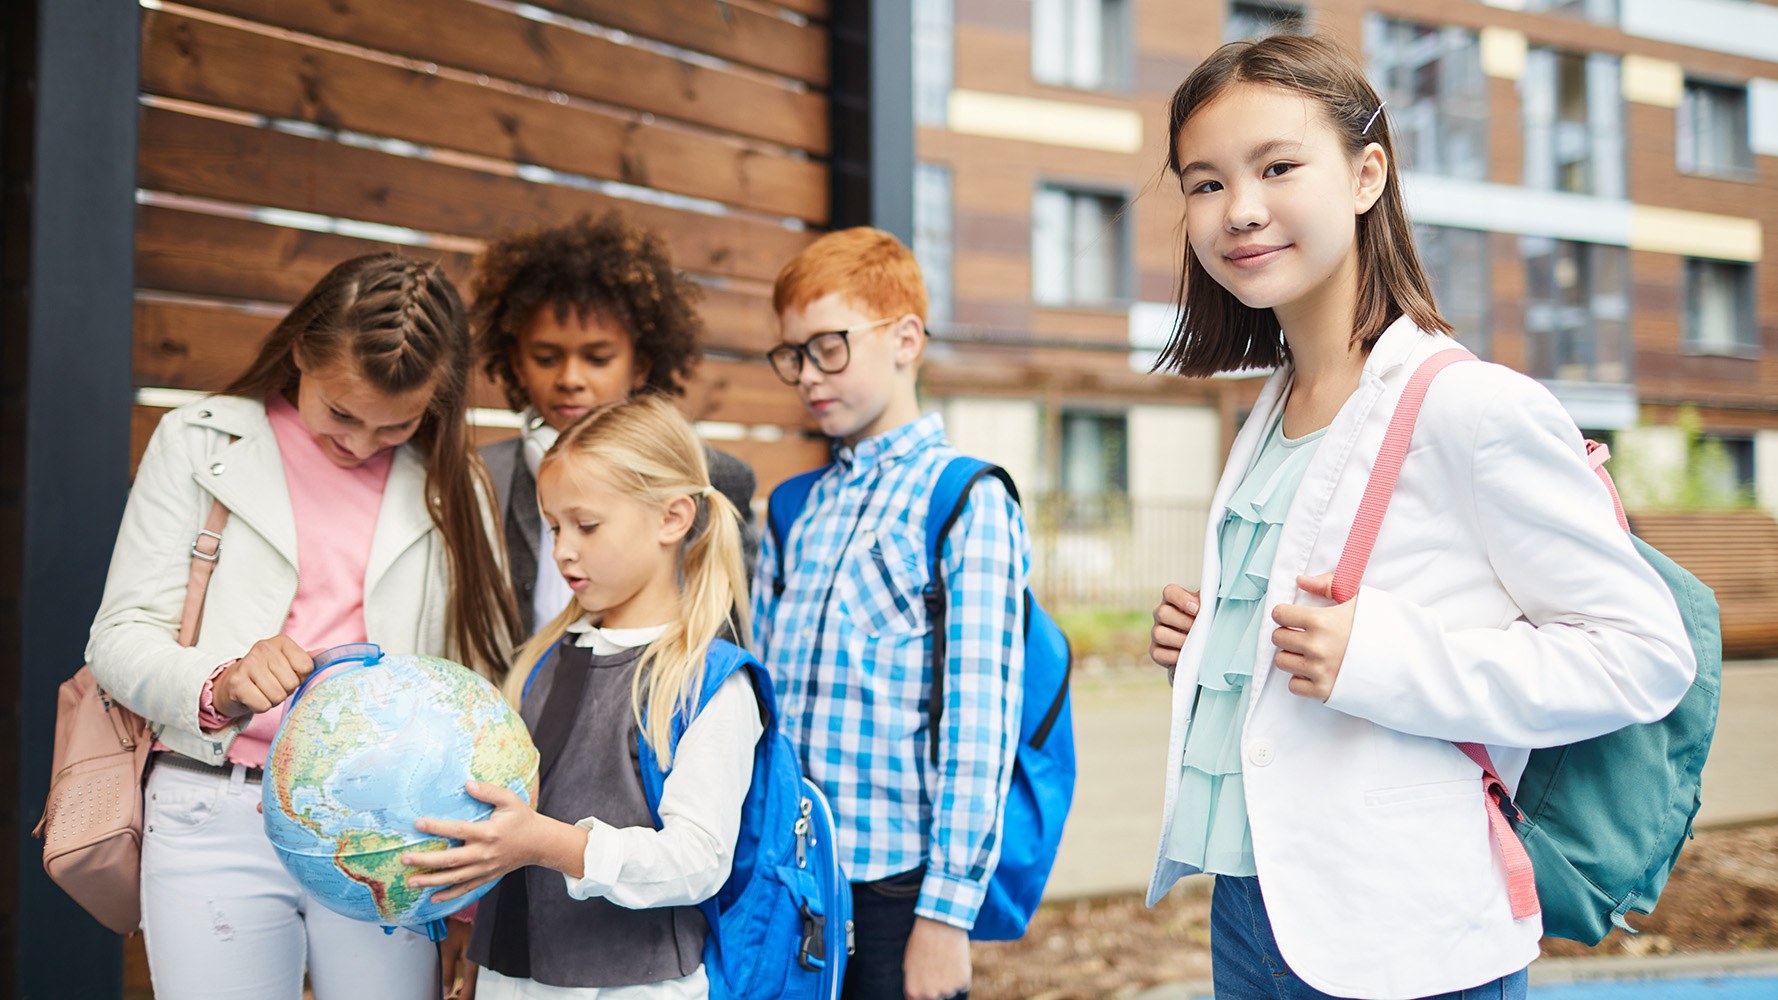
945	507
723	659
537	668
782	509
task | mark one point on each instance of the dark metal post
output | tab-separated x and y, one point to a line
70	70
872	111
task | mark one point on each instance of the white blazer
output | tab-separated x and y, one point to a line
134	648
1502	605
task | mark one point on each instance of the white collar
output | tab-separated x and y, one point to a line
535	438
606	641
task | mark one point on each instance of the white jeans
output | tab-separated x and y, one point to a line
223	920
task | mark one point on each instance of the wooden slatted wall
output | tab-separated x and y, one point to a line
279	137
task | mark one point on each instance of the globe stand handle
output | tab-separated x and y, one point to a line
366	653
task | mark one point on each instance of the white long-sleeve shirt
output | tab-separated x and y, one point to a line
688	859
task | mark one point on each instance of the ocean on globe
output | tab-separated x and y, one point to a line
370	744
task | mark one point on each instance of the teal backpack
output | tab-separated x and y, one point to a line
1601	821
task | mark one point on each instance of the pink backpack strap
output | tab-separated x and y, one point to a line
1597	456
1521	881
1377	493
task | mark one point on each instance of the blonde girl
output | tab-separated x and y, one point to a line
1311	751
344	451
652	554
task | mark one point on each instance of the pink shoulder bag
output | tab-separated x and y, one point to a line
92	824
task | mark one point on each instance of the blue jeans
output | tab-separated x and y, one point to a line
1246	965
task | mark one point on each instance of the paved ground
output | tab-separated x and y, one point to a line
1120	721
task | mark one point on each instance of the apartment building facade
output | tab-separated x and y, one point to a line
1594	183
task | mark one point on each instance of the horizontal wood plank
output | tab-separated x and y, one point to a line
190	59
216	257
730	31
210	158
480	39
775	461
816	10
202	347
192	253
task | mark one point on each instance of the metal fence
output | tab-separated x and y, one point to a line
1111	551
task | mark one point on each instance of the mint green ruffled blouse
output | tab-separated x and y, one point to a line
1210	830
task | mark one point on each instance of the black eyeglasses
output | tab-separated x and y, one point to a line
829	351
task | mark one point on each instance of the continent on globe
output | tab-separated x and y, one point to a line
369	744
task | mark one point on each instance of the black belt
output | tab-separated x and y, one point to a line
167	758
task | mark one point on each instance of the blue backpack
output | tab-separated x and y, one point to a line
1043	769
781	926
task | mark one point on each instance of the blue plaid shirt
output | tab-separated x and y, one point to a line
848	645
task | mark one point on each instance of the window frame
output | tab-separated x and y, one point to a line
1747	335
1685	137
1117	47
1591	261
1121	246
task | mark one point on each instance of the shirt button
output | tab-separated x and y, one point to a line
1259	753
216	469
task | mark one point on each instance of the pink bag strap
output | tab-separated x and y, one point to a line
1377	493
1521	881
1597	456
205	550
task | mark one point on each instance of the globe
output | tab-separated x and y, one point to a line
369	744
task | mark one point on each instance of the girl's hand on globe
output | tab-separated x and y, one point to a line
516	835
270	672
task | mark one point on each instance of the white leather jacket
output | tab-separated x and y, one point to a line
222	447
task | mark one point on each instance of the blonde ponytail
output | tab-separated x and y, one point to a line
659	459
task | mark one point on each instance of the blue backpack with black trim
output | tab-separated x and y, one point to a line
1042	788
781	926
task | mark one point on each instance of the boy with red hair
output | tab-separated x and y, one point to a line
841	622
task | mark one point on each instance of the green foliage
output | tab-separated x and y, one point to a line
1703	480
1116	634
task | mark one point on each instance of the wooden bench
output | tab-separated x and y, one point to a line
1735	553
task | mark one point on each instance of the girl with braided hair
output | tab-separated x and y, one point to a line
357	511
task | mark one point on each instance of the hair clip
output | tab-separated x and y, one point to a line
1373	120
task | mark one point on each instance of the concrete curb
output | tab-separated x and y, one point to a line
1693	965
1557	971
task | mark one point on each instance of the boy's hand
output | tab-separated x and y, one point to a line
1312	641
270	672
1173	619
513	837
936	963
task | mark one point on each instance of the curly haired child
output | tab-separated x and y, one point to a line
567	318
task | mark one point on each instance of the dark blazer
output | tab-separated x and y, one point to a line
516	492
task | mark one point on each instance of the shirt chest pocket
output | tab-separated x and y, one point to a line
881	586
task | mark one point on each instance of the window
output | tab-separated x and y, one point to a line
1577	311
1081	43
1574	123
1727	466
1602	11
1713	131
932	237
1456	260
1719	307
1438	106
1258	18
933	59
1078	247
1095	453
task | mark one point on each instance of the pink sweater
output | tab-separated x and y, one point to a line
336	518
